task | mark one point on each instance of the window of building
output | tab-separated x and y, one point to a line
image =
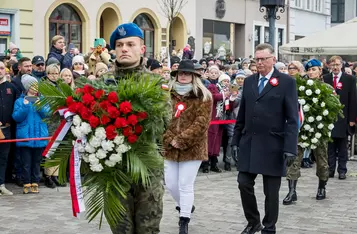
144	22
66	22
337	11
298	3
257	35
308	4
266	34
216	37
318	6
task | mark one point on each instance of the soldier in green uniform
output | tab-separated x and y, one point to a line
314	71
144	206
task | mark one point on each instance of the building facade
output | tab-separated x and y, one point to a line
211	26
307	17
343	10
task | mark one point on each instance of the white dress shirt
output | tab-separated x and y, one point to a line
268	76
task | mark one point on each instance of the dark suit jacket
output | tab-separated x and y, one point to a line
267	125
347	98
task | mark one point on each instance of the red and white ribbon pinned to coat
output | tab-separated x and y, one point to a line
75	183
180	107
60	132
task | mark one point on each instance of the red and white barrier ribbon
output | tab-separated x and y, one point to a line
77	197
60	133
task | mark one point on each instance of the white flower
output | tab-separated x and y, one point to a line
85	128
92	159
107	145
318	135
85	158
307	127
331	126
320	126
311	130
77	132
313	147
325	113
95	142
118	140
100	133
116	158
306	108
302	101
319	118
305	145
80	148
77	120
314	140
97	167
308	92
329	134
90	149
311	119
302	88
101	154
110	163
123	148
304	137
315	100
317	91
323	104
310	82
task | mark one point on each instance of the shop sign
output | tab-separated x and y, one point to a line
309	50
4	24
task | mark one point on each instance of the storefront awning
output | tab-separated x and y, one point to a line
338	40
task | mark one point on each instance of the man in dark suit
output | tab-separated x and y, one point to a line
266	135
345	87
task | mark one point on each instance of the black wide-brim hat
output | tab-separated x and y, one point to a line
185	65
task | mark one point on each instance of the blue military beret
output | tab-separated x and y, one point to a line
312	63
124	31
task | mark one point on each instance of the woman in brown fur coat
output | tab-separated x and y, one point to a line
185	140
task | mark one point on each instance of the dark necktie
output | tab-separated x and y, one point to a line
261	84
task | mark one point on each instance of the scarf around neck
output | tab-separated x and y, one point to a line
182	89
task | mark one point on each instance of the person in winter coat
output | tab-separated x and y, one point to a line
99	54
187	52
30	125
78	67
14	52
215	131
58	51
185	140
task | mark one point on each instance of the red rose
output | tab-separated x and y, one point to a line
69	100
99	94
73	107
120	123
80	106
88	89
133	120
94	121
113	112
110	132
125	107
87	99
113	97
142	115
128	131
104	104
138	129
85	113
104	120
132	139
79	91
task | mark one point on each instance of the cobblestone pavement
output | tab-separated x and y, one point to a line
218	209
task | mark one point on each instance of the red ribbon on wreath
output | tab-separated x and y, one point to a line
180	107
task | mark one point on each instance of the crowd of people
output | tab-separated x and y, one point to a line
211	87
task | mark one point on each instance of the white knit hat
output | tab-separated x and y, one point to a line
28	81
223	77
78	59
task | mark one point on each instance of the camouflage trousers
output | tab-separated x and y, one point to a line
144	210
321	157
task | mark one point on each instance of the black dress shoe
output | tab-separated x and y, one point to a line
342	176
331	175
18	182
227	167
205	170
216	169
251	229
56	181
49	183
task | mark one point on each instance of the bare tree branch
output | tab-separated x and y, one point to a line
171	8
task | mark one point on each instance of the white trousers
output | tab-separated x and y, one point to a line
180	178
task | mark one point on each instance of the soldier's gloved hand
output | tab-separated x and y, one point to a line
235	152
290	158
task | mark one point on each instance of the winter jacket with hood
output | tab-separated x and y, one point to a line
65	60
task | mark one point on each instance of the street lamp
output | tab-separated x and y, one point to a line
272	7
